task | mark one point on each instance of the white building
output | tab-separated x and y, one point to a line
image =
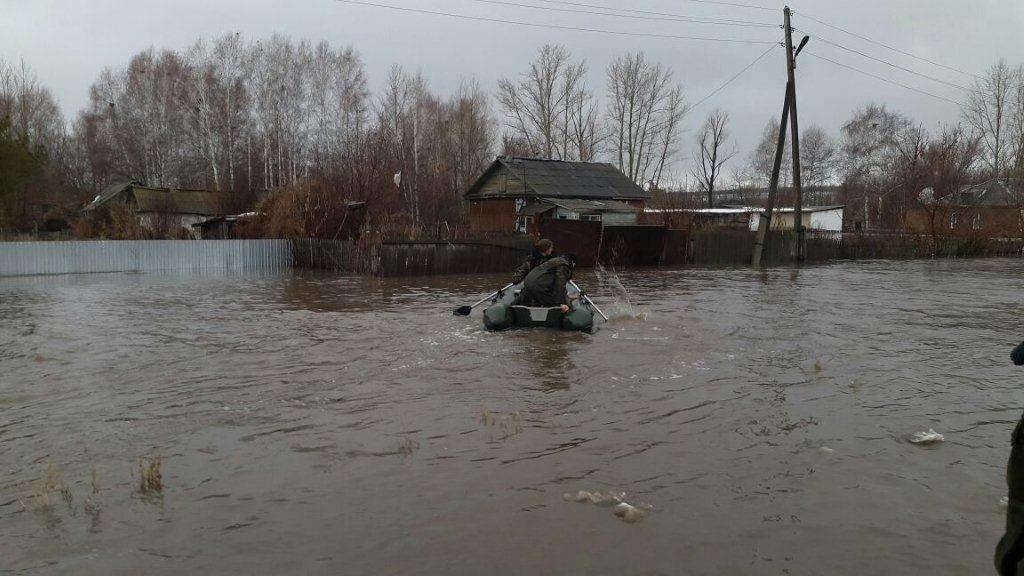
815	218
826	219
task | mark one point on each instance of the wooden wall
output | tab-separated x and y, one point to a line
492	215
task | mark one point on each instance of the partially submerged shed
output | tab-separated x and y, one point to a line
163	209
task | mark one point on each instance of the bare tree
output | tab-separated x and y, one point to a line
989	113
762	159
550	110
933	172
711	153
645	115
819	157
1017	126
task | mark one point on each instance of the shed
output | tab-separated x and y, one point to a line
815	218
163	208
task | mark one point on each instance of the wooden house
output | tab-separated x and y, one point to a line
514	194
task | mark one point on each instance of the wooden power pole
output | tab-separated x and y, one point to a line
789	117
798	209
765	223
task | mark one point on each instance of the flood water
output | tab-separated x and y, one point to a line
315	423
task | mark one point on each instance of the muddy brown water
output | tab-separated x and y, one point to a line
313	423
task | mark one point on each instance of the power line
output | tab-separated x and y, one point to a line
658	18
893	48
555	26
649	12
890	64
720	3
732	79
882	78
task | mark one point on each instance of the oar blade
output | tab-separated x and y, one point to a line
463	311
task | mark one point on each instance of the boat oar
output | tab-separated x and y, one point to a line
588	300
465	310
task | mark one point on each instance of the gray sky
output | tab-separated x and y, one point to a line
68	43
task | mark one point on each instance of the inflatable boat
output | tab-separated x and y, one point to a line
503	312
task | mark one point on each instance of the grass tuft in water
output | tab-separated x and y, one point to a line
151	477
407	446
509	424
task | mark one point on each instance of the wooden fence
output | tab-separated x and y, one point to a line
735	247
411	257
629	246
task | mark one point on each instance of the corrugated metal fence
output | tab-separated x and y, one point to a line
29	258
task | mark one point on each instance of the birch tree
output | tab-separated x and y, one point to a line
645	113
989	113
550	109
712	153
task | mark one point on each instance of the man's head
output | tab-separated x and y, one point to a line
570	258
544	247
1018	355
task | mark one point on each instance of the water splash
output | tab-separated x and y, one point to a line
622	306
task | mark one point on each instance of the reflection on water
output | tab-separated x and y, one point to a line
548	357
315	423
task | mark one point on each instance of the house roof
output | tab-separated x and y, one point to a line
741	210
107	194
576	205
179	201
535	208
165	200
559	179
584	205
991	193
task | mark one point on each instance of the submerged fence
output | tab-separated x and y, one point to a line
411	258
29	258
735	247
628	246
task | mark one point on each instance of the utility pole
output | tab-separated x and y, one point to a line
788	117
798	210
773	186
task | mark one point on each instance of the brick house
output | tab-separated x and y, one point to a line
991	209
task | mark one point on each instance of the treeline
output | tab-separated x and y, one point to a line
249	117
882	164
255	116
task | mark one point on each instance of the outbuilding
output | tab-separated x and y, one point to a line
171	211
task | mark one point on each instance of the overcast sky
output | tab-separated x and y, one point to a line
68	43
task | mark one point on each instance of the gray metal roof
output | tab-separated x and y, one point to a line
576	205
560	179
535	208
165	200
582	205
991	193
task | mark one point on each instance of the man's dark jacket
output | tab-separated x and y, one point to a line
545	284
535	259
1010	550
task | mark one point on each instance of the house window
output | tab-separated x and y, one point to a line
592	217
976	222
561	217
952	221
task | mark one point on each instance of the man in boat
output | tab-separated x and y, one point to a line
545	284
542	251
1010	551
